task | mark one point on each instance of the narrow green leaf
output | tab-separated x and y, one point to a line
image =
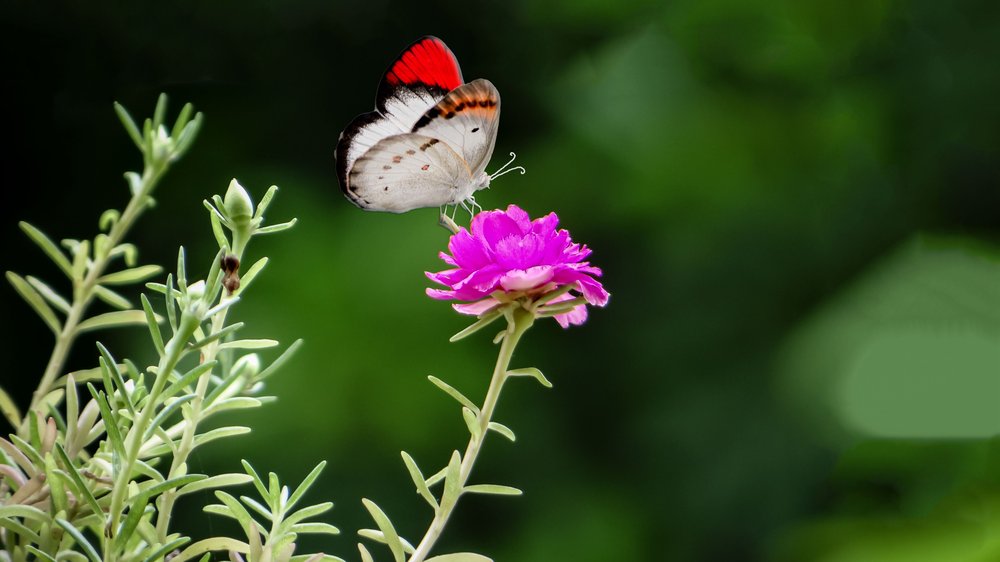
129	124
437	477
167	547
452	484
154	329
277	227
81	259
72	409
109	366
137	508
9	409
322	528
238	512
418	480
164	414
365	555
217	220
35	300
502	430
112	320
80	539
472	422
379	536
218	481
110	420
234	403
131	275
265	201
493	489
25	511
169	295
26	449
307	512
248	344
530	372
460	557
39	554
211	545
250	275
281	360
206	437
50	295
112	298
49	247
182	119
160	111
81	486
26	534
318	557
255	478
258	507
303	486
178	482
182	269
486	320
451	391
382	520
232	328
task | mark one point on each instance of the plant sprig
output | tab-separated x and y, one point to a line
85	262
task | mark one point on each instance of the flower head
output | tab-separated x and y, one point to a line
506	257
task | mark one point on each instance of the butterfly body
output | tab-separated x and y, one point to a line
429	139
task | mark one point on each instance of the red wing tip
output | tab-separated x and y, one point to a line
427	62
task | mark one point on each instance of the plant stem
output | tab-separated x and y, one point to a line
174	350
518	322
83	291
167	499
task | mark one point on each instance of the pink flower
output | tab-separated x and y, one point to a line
507	256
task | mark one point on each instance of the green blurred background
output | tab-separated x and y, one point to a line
795	205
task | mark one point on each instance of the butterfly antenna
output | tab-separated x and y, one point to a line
505	170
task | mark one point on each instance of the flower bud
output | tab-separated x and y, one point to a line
247	366
239	206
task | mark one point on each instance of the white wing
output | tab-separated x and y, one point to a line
408	171
467	119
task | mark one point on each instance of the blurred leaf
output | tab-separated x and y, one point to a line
389	535
218	481
31	296
48	246
112	320
248	344
908	351
496	489
460	557
450	391
112	298
50	295
9	409
502	430
418	480
530	372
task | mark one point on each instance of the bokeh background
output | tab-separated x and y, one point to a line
795	204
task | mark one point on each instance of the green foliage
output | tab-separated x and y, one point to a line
97	479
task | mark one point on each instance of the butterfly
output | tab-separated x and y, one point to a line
429	139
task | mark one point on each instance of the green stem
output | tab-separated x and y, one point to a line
519	322
173	352
83	291
168	498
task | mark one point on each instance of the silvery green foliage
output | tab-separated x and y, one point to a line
100	457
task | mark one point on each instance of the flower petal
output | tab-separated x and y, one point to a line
525	279
476	308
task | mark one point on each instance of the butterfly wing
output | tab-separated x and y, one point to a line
405	172
467	119
416	81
